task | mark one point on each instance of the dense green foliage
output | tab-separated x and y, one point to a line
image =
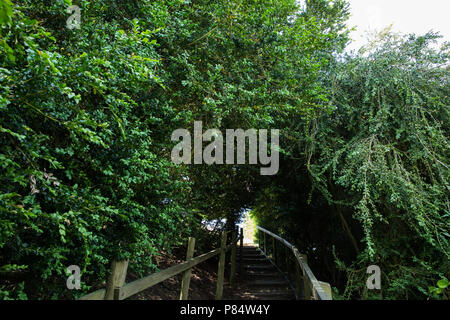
85	176
86	117
373	176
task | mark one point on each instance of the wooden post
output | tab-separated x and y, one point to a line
221	270
274	252
306	286
187	274
116	279
298	278
286	260
265	252
241	245
259	238
327	288
233	259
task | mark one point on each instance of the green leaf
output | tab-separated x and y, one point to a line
442	283
6	12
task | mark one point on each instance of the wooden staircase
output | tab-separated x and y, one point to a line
260	279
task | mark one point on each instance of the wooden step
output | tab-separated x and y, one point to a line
259	267
268	283
251	257
275	295
263	275
261	280
253	253
255	261
256	251
250	254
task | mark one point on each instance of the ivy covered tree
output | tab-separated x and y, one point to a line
86	175
371	182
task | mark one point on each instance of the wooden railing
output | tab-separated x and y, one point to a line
116	289
306	285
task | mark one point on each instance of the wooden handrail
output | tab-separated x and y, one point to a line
319	292
273	235
96	295
314	283
139	285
